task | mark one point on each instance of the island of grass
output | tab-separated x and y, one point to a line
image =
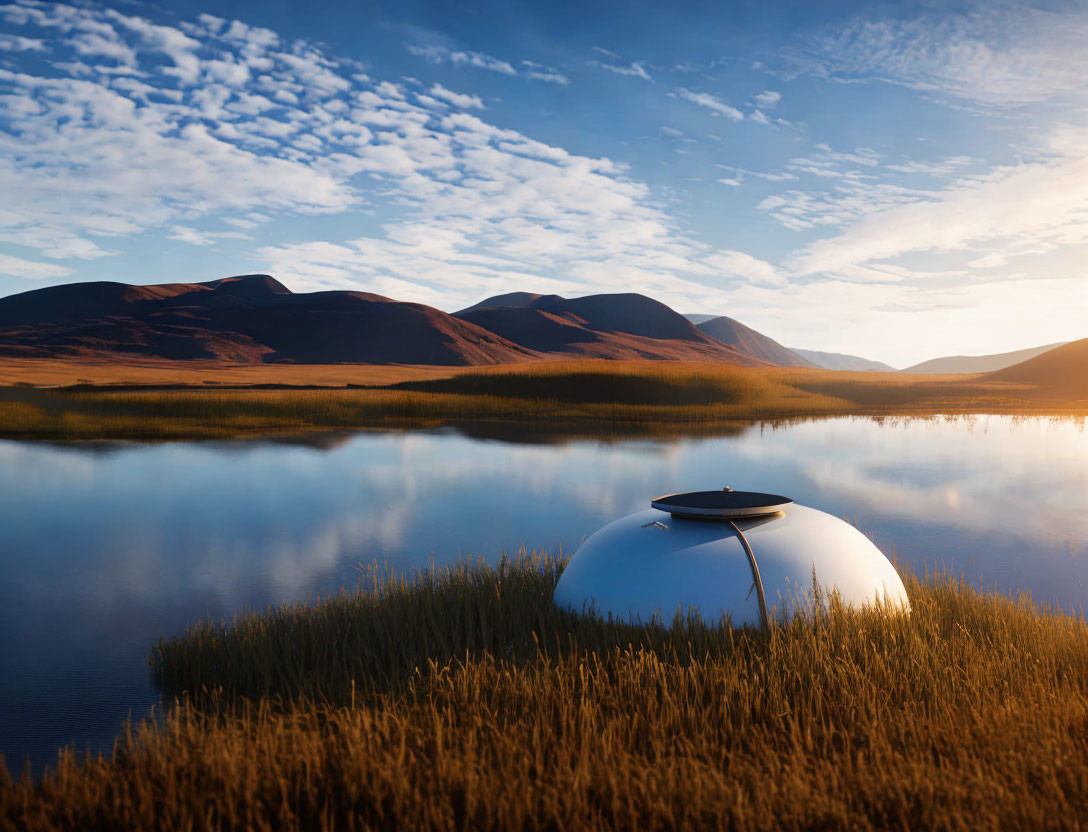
462	699
166	400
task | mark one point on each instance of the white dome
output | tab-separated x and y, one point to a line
653	564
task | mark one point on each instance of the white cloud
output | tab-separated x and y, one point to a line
941	167
539	72
16	43
716	105
770	176
768	99
752	270
281	129
457	99
438	54
636	69
1003	54
18	267
1043	202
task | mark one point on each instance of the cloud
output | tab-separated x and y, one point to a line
438	54
457	99
716	105
941	167
18	267
220	120
539	72
636	69
740	264
770	176
1042	203
768	99
996	55
14	43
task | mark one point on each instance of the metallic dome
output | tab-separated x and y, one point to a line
745	555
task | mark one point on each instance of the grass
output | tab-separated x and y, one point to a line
462	699
657	398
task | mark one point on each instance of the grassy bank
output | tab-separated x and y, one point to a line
464	700
656	398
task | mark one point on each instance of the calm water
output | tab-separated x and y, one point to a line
103	548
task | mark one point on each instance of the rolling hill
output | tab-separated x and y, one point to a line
1059	373
746	339
842	361
769	347
250	318
979	363
614	326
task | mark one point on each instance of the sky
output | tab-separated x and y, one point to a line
892	180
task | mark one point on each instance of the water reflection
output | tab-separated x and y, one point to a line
106	547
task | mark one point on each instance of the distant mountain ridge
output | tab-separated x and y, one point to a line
980	363
843	361
615	326
732	331
256	319
250	318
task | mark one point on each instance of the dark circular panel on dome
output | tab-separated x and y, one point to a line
725	503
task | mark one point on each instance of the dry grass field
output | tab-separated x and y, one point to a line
651	397
464	700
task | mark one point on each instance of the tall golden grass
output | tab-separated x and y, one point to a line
652	396
464	700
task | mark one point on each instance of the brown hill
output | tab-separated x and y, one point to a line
619	326
1059	373
978	363
746	339
509	299
248	318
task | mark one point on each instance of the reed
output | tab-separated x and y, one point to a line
462	699
651	397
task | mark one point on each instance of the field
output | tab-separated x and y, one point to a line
657	398
463	699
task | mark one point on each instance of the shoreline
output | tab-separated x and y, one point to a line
597	398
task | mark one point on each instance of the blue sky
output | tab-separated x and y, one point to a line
894	180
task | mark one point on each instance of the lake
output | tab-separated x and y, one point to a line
105	547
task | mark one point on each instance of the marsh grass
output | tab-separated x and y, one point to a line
649	397
463	699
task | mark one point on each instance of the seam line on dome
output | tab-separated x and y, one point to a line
756	579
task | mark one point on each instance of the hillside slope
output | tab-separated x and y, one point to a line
978	363
1060	373
251	318
746	339
614	326
843	361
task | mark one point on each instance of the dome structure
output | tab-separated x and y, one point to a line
742	554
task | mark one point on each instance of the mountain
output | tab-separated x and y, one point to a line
841	361
979	363
250	318
519	299
1060	372
618	326
749	341
698	318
